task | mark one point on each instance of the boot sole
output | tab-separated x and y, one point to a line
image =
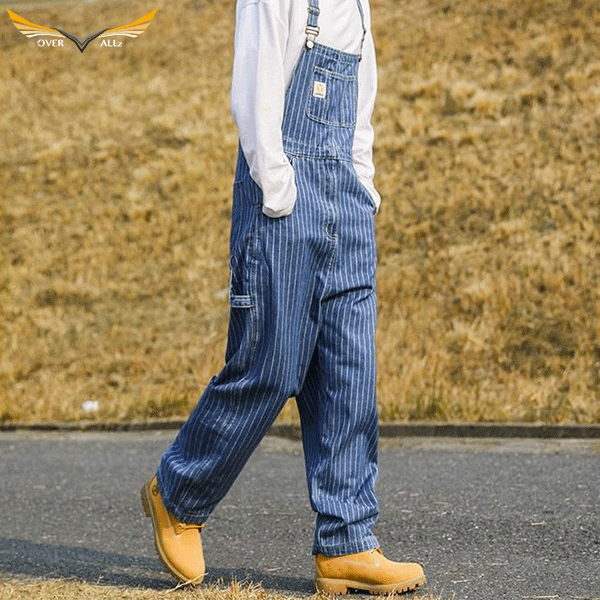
341	586
149	510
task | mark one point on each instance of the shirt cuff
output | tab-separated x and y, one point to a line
279	195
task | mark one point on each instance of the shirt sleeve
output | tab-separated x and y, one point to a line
257	100
362	150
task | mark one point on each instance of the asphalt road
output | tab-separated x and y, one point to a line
489	519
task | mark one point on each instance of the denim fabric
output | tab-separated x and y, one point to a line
302	323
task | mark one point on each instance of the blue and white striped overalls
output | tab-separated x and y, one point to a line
302	322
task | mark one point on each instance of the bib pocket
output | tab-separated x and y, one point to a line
332	99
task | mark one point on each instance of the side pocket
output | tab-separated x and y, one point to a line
243	312
363	192
239	247
247	191
370	200
242	333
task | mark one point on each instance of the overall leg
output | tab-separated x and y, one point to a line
339	411
272	333
337	404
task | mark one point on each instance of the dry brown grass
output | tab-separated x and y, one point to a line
70	590
116	174
14	589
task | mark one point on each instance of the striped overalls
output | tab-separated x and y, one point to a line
302	322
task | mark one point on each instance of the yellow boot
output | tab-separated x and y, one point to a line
179	545
366	571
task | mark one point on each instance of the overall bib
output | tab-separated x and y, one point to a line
302	321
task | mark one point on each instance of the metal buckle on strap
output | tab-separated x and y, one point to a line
311	35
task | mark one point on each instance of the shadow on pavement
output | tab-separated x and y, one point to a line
51	561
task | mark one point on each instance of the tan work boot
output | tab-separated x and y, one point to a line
368	571
178	544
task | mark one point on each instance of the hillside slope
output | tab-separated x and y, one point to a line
116	173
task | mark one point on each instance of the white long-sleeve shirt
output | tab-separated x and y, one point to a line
269	37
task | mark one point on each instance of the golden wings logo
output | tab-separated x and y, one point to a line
31	30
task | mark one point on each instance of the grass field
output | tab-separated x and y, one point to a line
117	166
72	590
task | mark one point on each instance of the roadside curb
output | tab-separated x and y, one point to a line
468	430
386	430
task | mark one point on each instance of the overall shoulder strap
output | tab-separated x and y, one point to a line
362	20
312	23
